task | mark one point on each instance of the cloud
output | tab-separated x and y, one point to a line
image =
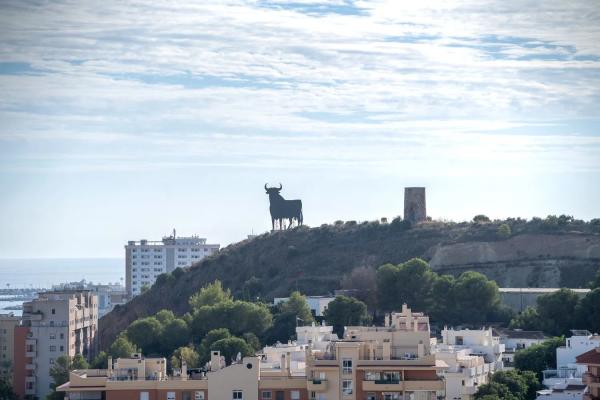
341	81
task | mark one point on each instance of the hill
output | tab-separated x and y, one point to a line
540	253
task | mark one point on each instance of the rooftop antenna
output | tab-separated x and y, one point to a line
174	233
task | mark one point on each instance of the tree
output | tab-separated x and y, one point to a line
475	297
557	310
164	316
480	218
210	295
210	338
538	357
410	283
521	385
230	347
146	333
443	309
174	334
345	311
100	361
494	391
188	354
362	281
252	340
298	306
145	287
122	348
238	317
588	311
528	320
60	373
504	231
6	390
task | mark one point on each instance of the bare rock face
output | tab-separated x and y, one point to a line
521	248
530	260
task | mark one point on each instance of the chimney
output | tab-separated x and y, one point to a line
288	364
387	320
183	370
284	365
215	360
110	366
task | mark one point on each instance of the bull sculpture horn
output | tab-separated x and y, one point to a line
280	186
265	186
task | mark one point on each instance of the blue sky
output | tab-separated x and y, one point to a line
123	120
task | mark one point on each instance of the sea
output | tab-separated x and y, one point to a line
42	273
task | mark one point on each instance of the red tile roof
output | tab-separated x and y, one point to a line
589	357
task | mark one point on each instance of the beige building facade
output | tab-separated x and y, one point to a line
392	362
56	323
8	322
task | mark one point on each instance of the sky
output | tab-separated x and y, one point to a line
121	120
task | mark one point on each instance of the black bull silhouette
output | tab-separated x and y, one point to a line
281	208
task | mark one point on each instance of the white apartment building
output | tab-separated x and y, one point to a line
567	368
465	373
481	342
56	323
515	340
109	295
146	260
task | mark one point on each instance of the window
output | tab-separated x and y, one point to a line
347	366
391	396
347	386
279	395
237	395
144	396
371	396
62	348
267	395
53	336
186	395
170	395
54	311
52	348
295	394
199	396
51	361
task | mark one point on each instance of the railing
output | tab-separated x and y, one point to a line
387	381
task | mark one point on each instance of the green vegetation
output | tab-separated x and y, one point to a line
559	312
539	357
322	259
188	354
346	311
510	385
504	231
60	373
471	298
6	390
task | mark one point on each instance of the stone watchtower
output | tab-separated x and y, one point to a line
415	210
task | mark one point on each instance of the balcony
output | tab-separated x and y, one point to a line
31	366
590	379
31	354
316	385
386	385
429	385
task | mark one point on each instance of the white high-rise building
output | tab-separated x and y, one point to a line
146	260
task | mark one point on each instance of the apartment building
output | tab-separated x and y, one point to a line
567	367
54	324
378	363
317	304
482	342
146	260
109	295
465	372
515	340
591	378
8	323
369	363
